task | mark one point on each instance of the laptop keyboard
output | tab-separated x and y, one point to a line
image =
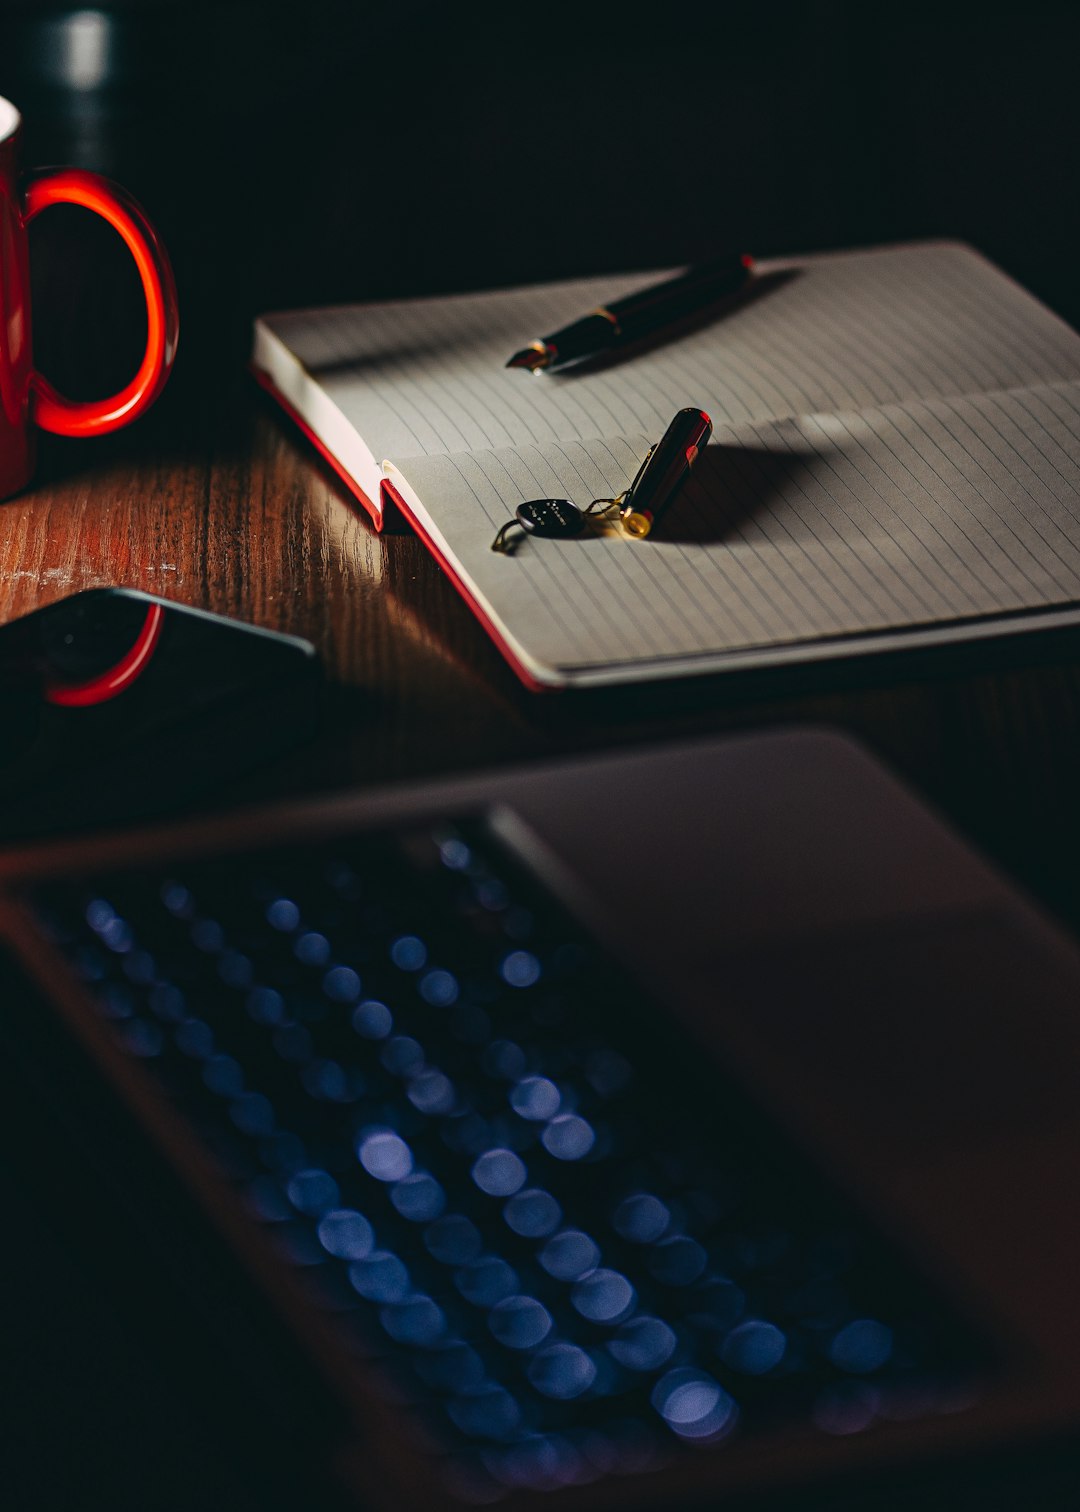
563	1236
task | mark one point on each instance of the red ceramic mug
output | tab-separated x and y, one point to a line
26	398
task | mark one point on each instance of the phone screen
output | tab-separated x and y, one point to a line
119	705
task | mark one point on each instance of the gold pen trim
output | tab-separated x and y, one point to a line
629	493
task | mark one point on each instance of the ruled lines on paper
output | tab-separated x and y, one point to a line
834	333
789	530
895	446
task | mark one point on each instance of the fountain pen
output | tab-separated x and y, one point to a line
636	315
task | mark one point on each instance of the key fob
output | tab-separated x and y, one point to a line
557	518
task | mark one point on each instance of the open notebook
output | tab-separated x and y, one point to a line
895	459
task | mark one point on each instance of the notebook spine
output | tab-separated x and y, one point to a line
382	511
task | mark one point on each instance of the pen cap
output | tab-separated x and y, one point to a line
664	469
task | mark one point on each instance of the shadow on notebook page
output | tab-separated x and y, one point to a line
448	342
758	287
730	487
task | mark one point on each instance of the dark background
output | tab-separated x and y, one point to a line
344	151
312	152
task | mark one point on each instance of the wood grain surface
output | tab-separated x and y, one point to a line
294	155
215	500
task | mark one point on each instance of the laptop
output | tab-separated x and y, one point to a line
636	1131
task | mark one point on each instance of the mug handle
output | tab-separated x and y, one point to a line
69	417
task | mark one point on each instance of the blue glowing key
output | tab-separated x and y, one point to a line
408	953
641	1218
454	1240
384	1155
455	854
532	1213
313	1191
283	915
520	969
569	1255
438	988
754	1347
520	1322
488	1281
568	1137
562	1371
432	1092
372	1020
603	1296
418	1197
415	1320
692	1404
346	1234
643	1344
535	1098
499	1172
380	1276
402	1055
341	984
862	1346
265	1005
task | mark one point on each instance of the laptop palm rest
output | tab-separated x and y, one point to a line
935	1062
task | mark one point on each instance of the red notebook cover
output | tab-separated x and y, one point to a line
391	511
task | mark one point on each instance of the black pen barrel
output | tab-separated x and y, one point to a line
636	315
592	333
664	469
648	309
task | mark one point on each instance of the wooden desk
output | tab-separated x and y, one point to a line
262	138
216	500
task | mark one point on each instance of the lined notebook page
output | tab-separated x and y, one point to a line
788	531
838	332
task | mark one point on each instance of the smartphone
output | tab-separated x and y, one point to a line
119	705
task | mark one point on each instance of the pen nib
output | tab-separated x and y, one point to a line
533	358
